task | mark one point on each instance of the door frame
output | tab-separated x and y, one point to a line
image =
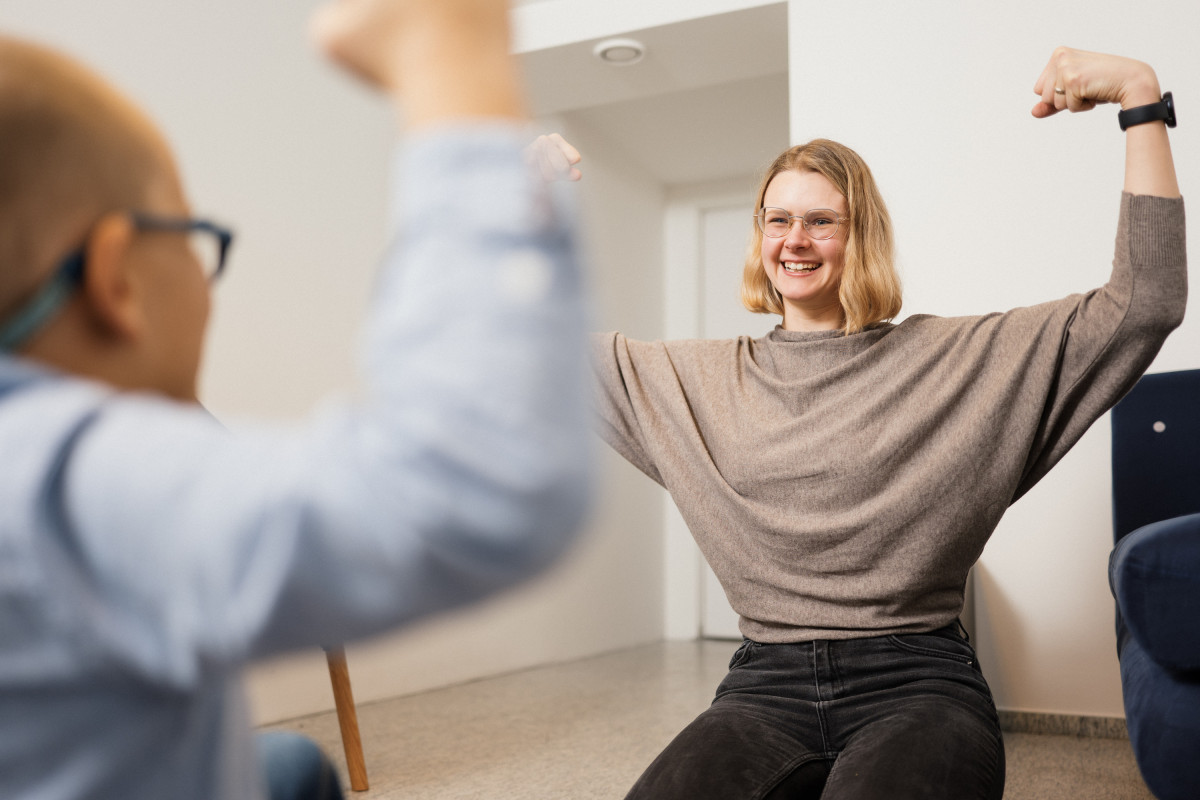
684	568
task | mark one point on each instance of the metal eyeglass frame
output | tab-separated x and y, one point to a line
68	275
759	222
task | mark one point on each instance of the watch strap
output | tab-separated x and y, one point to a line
1163	110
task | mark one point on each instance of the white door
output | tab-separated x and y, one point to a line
723	237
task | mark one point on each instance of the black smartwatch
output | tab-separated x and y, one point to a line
1164	109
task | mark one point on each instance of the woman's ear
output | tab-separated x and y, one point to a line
111	289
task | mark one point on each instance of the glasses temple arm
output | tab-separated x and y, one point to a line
43	305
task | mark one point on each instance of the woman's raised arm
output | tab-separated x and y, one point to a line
1077	80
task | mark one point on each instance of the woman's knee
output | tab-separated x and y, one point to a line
725	752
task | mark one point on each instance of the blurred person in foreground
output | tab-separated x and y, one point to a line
147	554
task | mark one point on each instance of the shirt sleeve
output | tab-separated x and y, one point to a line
621	399
463	469
1113	333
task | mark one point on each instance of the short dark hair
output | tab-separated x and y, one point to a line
73	149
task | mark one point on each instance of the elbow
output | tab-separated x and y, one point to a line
1180	304
1174	305
525	522
1170	315
535	495
1164	314
546	518
553	522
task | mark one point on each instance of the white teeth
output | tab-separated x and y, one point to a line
799	268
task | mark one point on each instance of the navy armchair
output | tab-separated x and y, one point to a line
1155	576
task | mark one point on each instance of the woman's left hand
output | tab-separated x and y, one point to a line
555	157
1077	80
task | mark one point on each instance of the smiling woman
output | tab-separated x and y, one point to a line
844	276
804	267
843	473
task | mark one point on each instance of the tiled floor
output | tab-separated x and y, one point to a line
586	729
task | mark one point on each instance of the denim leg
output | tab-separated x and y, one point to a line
295	768
746	746
898	717
731	752
929	749
912	719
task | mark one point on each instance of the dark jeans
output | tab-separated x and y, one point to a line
893	717
295	768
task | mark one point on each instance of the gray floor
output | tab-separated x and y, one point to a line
586	729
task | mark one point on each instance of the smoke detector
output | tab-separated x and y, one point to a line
620	52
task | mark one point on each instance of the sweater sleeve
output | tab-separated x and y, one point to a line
617	390
1113	333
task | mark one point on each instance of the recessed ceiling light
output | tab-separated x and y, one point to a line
620	52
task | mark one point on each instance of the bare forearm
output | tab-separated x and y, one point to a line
437	60
453	72
1149	168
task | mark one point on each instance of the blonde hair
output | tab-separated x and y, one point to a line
870	287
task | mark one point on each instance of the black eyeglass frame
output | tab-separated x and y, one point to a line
152	222
68	275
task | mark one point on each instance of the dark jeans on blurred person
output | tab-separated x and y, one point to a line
296	768
883	718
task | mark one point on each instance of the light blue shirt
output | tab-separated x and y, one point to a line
146	554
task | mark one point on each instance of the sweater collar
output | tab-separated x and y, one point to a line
781	335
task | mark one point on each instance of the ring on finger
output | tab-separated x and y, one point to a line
1059	90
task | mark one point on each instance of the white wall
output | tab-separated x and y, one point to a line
936	97
296	158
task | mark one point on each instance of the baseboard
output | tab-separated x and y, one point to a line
1063	725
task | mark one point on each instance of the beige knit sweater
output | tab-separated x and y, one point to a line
842	486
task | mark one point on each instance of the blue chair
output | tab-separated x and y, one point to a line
1155	576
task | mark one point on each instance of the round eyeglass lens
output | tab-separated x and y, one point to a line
774	222
821	223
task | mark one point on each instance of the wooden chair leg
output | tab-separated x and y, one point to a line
343	697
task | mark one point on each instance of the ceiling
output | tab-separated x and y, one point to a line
708	101
697	135
709	51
